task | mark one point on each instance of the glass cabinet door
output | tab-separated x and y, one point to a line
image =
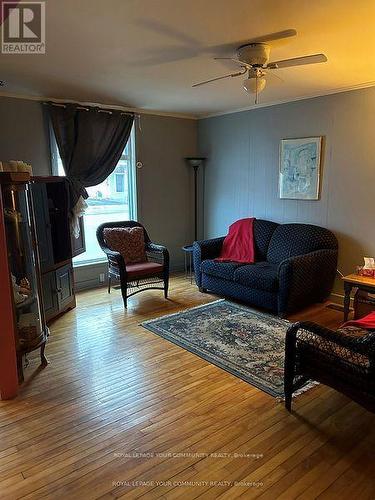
23	267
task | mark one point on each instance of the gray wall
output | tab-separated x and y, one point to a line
242	170
165	188
23	133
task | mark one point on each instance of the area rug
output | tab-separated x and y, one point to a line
247	343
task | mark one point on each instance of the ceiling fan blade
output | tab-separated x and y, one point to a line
237	61
274	36
297	61
231	75
163	29
273	76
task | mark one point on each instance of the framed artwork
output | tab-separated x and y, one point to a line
299	176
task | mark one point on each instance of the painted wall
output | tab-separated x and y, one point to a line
165	182
23	133
243	161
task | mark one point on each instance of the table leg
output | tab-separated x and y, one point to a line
347	288
185	264
191	267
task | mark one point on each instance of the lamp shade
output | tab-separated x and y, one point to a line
254	85
194	161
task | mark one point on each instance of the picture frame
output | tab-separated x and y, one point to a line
300	168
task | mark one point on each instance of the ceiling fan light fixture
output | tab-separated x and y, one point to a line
254	85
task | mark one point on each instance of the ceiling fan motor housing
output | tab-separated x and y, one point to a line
255	54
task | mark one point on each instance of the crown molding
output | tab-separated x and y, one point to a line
192	116
285	101
139	111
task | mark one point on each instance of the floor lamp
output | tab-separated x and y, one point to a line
195	163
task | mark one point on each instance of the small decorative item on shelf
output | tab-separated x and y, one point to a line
15	166
22	319
368	269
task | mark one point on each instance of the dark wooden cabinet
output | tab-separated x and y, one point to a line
43	225
51	306
56	246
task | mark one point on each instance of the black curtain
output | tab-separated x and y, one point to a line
90	142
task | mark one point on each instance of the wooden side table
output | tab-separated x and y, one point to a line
356	281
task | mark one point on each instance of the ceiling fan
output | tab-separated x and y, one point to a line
253	57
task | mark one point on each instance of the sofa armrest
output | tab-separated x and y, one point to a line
203	250
305	279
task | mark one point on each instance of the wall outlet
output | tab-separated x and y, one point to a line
101	277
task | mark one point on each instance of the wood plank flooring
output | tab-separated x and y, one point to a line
122	413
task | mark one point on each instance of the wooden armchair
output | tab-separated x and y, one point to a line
153	274
343	359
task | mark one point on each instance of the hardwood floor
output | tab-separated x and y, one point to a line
117	406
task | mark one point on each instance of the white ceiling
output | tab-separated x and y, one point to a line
147	53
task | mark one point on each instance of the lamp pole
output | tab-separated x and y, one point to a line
195	162
196	202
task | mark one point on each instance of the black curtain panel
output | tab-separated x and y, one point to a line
90	141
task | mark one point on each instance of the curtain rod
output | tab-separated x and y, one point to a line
82	108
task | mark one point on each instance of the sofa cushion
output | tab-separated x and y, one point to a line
224	270
263	231
289	240
261	276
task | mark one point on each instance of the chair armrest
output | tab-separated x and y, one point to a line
203	250
357	340
113	256
154	247
111	253
305	279
158	253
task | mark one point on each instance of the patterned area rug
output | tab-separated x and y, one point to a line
242	341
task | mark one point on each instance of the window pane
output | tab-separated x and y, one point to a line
107	202
60	168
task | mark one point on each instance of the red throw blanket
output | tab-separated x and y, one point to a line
238	246
368	322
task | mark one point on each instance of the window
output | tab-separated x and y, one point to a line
112	200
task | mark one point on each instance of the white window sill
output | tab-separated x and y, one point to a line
87	263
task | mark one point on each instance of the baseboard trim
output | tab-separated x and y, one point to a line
338	298
92	283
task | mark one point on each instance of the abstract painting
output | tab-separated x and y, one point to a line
299	177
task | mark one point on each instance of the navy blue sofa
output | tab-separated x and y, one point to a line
295	266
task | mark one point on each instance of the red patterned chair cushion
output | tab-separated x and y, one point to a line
128	241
